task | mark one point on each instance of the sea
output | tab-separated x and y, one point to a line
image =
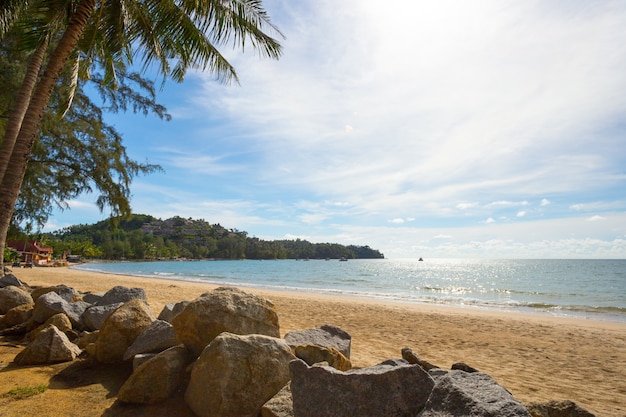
591	289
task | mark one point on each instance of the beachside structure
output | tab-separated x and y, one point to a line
31	252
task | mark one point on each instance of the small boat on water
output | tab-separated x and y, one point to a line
420	260
342	259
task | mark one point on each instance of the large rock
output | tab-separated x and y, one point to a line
95	316
156	379
121	329
557	409
326	336
60	321
235	375
69	294
121	294
172	310
157	337
50	346
10	280
459	393
51	303
224	310
12	296
390	389
16	315
280	405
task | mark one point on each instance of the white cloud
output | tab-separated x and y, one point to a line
596	218
544	202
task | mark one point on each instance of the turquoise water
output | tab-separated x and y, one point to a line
582	288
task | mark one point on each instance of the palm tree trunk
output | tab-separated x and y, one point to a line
21	105
16	168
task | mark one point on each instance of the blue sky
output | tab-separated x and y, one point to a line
489	128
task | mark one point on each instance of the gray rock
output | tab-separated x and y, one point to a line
398	390
172	310
157	337
458	393
235	375
325	336
156	379
121	329
13	296
52	303
280	405
92	298
50	346
557	409
224	310
10	280
67	293
121	294
95	316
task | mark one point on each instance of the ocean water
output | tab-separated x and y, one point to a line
594	289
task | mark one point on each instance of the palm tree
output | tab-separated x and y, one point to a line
112	33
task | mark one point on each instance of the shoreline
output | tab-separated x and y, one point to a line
538	358
583	314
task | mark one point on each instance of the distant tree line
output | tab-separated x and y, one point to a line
146	237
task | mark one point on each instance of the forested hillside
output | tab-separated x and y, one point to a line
145	237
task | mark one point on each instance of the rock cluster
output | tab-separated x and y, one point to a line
224	350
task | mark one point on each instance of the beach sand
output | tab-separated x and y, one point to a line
537	358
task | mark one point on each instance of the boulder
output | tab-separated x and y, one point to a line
13	296
326	336
51	303
67	293
60	321
92	298
172	310
313	354
10	280
224	310
50	346
280	405
236	374
156	379
412	358
390	389
459	393
557	409
16	315
95	316
121	329
157	337
121	294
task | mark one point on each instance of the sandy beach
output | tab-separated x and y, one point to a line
537	358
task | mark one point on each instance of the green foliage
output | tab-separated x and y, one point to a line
142	236
27	391
77	153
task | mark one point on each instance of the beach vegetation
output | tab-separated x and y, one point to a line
22	392
80	37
